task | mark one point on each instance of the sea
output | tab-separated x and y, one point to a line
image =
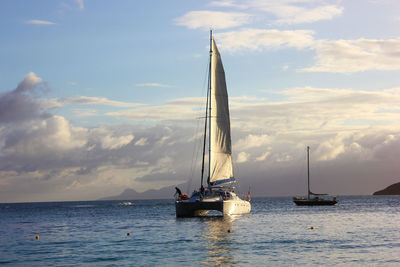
358	231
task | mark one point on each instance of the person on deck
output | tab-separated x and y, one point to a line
178	192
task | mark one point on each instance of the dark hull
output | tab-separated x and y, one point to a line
312	202
198	208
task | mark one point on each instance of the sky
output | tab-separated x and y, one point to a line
100	96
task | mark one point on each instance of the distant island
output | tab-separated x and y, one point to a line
393	189
131	194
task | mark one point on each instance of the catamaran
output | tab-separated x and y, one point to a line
313	199
219	193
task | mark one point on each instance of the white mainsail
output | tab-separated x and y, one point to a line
221	170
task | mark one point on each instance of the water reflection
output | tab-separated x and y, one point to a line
219	246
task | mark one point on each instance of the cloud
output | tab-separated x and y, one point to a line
297	12
228	3
42	137
338	56
39	22
252	141
180	111
283	12
87	100
19	105
354	138
109	142
204	19
242	157
263	156
80	4
152	85
260	39
346	56
141	142
28	83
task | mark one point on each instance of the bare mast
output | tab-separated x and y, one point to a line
308	172
209	113
207	119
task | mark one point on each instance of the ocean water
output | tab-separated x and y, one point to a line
359	231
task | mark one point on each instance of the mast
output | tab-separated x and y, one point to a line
308	172
205	134
208	107
209	113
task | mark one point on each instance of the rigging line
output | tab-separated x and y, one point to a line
205	135
197	141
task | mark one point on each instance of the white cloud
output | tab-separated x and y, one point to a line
141	142
28	83
110	142
346	56
180	110
340	56
260	39
108	139
282	12
87	100
39	22
296	12
81	4
242	157
263	156
252	141
229	3
204	19
51	136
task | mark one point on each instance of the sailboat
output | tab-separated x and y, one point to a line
219	193
313	199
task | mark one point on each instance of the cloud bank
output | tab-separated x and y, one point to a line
354	137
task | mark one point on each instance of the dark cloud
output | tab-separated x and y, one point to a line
19	105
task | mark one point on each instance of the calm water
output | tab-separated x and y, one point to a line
359	231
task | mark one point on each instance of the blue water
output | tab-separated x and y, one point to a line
359	231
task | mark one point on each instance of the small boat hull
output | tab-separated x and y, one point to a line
201	208
314	202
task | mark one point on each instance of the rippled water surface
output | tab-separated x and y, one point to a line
359	231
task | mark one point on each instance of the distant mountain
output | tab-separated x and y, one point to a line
131	194
393	189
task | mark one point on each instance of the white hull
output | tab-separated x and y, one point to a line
236	207
200	207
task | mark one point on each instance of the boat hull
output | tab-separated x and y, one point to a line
201	208
310	202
